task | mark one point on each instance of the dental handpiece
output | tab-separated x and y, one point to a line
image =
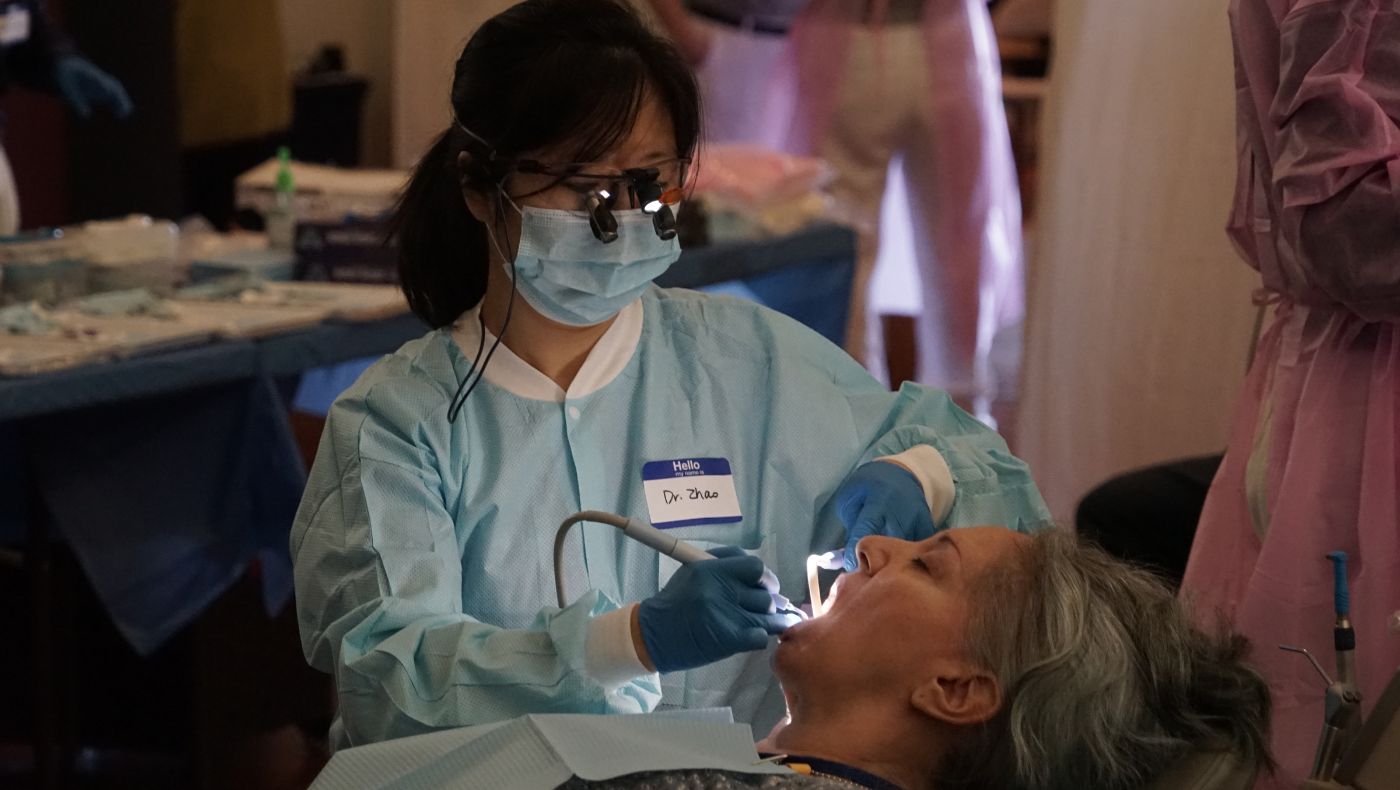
666	544
670	545
685	553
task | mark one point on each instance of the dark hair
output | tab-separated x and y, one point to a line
540	74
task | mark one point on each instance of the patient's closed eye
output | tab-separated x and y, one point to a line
932	564
940	557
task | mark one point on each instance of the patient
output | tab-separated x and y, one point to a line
979	658
985	658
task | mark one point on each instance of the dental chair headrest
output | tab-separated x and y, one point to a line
1207	769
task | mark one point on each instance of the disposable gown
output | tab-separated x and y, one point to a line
869	90
1312	460
423	548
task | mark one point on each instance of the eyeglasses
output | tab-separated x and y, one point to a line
653	188
648	187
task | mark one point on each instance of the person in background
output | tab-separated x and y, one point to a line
35	53
737	48
919	79
1311	465
858	84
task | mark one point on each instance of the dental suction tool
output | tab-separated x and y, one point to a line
650	536
1342	709
1343	635
830	561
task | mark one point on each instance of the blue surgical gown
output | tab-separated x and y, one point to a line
423	548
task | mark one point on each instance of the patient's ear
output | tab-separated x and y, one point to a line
961	696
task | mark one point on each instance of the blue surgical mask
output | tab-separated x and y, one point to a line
568	275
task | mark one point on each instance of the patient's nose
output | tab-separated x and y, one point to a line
874	553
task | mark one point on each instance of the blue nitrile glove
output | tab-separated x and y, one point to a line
881	498
708	611
84	85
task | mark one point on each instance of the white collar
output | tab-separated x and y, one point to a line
605	361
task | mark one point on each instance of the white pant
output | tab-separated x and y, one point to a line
735	87
947	128
9	198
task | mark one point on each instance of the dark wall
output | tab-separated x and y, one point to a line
35	136
119	167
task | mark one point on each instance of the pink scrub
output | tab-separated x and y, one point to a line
1312	464
878	79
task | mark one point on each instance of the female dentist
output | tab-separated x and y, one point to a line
556	379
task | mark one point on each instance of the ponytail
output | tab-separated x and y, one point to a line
443	258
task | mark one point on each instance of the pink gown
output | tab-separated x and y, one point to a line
928	91
1313	464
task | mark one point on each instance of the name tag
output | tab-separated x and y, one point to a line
690	491
14	26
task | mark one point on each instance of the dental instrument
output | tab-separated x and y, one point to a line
830	561
1343	635
1342	709
660	541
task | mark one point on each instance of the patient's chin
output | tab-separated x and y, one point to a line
789	646
797	648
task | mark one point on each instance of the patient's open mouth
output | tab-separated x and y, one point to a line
832	595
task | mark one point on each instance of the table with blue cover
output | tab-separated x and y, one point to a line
167	474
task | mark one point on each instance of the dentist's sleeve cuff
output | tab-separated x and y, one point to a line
610	657
928	466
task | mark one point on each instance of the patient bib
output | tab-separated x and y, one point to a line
687	492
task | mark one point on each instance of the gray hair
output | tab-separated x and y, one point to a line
1105	681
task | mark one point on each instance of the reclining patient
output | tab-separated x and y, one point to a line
986	658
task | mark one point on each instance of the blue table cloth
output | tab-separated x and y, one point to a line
168	474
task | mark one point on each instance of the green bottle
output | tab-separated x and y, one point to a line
281	218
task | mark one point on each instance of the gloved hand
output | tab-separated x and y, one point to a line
708	611
84	85
882	498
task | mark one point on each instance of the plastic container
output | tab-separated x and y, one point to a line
136	252
45	267
253	265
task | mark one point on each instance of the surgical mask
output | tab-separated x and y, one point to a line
568	275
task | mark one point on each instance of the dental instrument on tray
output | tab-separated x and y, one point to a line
666	544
